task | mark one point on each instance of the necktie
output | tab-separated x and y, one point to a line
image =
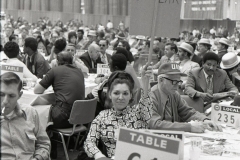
103	59
168	111
209	85
29	64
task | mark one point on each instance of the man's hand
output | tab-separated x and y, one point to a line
205	96
197	127
212	126
1	118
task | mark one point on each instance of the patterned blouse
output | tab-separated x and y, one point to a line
104	125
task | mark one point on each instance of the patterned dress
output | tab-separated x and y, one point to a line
108	121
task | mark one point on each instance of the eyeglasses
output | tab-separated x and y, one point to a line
174	82
102	45
70	50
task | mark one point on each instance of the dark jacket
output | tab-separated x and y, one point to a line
88	62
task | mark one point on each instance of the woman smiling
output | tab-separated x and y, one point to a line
105	126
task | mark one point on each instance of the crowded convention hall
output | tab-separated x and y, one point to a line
120	79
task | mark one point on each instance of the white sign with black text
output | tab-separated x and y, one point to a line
226	114
132	144
103	69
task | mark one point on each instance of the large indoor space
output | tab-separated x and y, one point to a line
120	79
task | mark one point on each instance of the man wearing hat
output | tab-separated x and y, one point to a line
208	81
230	63
222	47
92	38
185	51
204	46
168	106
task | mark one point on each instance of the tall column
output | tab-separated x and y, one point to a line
115	7
13	4
56	5
36	5
4	4
27	5
77	6
68	6
44	5
21	4
96	7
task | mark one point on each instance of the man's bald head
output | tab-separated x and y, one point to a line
93	51
64	58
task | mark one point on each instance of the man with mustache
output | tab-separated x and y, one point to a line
208	81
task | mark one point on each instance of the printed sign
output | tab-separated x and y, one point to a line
226	114
11	68
238	24
203	9
172	134
134	144
168	17
103	69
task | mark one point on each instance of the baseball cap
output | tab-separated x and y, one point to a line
170	69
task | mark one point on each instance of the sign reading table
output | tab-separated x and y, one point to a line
145	146
226	114
11	68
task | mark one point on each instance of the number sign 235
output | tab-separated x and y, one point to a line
226	114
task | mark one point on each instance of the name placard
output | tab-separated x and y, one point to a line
145	146
103	69
11	68
172	134
226	114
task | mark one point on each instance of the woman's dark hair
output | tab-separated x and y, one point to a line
123	51
120	77
70	35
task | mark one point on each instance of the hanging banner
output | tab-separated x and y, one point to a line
168	17
203	9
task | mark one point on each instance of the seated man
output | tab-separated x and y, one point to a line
91	58
185	51
35	62
208	81
170	55
11	49
68	85
22	135
169	108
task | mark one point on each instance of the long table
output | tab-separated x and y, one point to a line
230	137
42	102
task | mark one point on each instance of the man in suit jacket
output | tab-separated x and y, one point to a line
91	58
170	55
206	82
35	62
105	57
185	51
169	109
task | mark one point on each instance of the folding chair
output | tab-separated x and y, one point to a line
83	112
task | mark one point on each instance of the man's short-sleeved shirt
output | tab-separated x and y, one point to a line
67	82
